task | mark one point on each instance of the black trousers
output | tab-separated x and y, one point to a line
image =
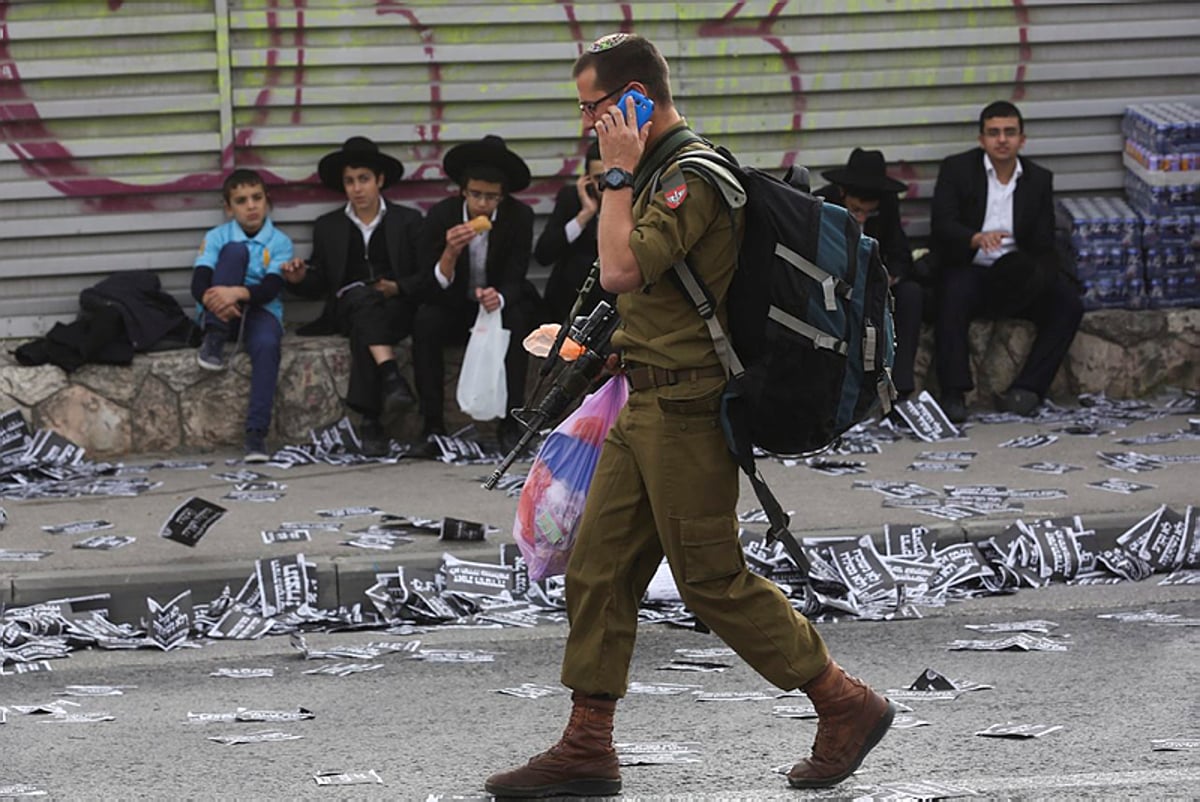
967	292
437	326
369	318
909	305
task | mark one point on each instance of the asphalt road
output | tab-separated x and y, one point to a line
434	731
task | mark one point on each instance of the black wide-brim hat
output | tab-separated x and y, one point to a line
490	151
359	151
866	169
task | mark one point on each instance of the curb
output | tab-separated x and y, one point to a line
342	581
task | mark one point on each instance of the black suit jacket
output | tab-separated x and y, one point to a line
571	260
327	265
509	244
960	203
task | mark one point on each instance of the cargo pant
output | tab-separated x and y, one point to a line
666	485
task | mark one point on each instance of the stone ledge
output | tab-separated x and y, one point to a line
1122	353
165	402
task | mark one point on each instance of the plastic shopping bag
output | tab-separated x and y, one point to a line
555	491
482	390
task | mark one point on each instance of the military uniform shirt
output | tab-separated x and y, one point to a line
660	325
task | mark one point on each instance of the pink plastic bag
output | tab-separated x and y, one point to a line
554	494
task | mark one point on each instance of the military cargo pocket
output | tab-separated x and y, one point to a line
707	403
710	546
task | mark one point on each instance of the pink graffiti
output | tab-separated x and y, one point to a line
43	156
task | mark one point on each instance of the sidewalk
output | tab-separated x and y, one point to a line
823	505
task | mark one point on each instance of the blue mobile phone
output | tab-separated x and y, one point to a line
643	105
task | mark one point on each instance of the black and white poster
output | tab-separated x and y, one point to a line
105	542
926	418
286	583
454	529
191	520
14	432
169	623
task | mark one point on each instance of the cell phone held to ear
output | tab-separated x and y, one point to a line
642	105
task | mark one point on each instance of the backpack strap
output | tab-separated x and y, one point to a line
695	290
720	172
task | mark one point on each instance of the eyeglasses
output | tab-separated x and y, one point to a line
589	107
484	197
994	133
608	42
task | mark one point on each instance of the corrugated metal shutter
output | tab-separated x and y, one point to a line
120	117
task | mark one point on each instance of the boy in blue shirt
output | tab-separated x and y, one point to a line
237	279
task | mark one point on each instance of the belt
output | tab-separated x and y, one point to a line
644	377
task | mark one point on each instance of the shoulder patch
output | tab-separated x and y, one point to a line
674	187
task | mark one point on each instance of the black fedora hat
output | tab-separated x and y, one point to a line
358	150
490	151
867	170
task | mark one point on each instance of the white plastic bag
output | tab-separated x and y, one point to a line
482	389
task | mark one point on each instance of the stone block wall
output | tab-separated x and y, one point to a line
1122	353
165	402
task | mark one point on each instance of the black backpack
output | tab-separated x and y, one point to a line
811	340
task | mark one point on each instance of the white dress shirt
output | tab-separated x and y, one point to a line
477	250
999	215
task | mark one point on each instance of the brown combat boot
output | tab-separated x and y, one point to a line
582	763
852	719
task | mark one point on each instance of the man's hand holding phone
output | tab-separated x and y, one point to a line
622	130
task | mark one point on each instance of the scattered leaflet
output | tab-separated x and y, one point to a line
191	520
170	623
905	791
370	777
1019	731
1021	642
531	690
657	753
95	690
1175	744
345	669
243	673
264	736
105	542
77	527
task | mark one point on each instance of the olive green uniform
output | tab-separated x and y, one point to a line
665	483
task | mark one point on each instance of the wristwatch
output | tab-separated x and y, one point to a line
617	178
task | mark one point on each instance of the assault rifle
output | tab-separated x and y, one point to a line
573	380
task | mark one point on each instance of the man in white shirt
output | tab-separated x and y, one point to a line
472	266
993	233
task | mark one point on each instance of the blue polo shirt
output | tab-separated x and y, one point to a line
269	249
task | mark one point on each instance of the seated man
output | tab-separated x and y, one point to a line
993	231
863	187
364	263
473	268
568	242
236	281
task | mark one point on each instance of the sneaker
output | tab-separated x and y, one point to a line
212	351
256	447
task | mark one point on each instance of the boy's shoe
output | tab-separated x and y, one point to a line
954	406
256	447
1018	401
375	442
212	351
